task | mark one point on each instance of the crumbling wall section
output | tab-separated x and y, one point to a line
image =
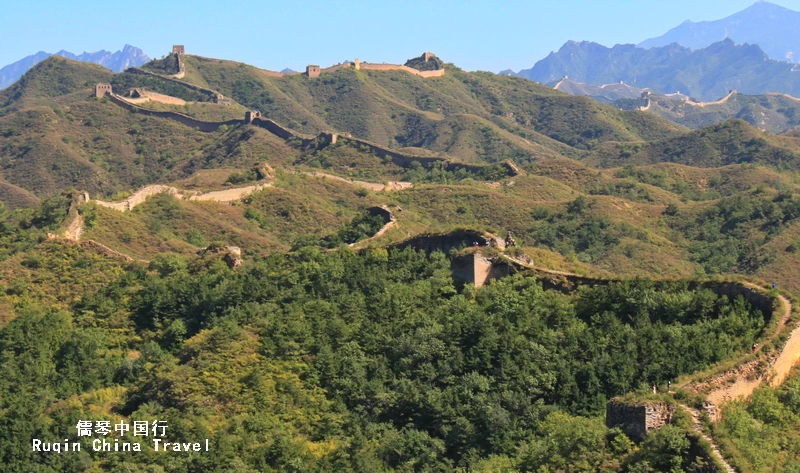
639	418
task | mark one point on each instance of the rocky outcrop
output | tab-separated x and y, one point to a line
232	255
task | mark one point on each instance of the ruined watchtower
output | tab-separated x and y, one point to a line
178	49
638	418
251	115
357	64
312	71
101	89
427	56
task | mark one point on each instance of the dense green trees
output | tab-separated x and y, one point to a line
378	361
762	434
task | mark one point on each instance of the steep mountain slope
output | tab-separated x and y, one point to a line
380	106
775	113
51	78
731	142
771	26
118	61
706	74
55	134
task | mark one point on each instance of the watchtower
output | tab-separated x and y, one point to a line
357	63
178	49
312	71
427	56
251	115
638	418
101	89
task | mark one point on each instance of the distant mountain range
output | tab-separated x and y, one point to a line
705	74
129	56
772	27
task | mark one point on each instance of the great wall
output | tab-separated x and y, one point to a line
255	118
636	418
478	268
402	159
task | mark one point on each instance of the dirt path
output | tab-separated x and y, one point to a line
697	424
781	365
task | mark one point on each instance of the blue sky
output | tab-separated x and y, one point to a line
486	35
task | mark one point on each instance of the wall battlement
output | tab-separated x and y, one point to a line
313	70
254	118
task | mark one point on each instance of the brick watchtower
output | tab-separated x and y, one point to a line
101	89
312	71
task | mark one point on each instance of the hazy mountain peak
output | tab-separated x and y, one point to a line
707	73
129	56
771	26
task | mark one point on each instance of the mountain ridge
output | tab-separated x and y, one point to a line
771	26
706	74
118	61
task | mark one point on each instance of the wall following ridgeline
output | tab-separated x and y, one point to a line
254	118
397	67
178	117
445	242
138	198
174	79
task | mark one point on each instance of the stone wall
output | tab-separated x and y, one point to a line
389	221
178	117
138	96
445	242
405	160
213	94
313	70
568	283
254	118
138	198
637	419
336	67
398	67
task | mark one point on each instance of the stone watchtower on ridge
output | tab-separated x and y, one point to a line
101	89
251	115
312	71
178	49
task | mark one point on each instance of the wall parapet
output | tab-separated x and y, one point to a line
329	138
175	80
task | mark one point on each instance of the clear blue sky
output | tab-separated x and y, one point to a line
486	35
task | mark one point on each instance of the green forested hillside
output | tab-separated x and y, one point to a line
356	362
231	303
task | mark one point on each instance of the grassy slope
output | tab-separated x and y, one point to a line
70	140
775	113
731	142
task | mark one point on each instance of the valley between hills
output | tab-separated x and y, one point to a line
368	268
